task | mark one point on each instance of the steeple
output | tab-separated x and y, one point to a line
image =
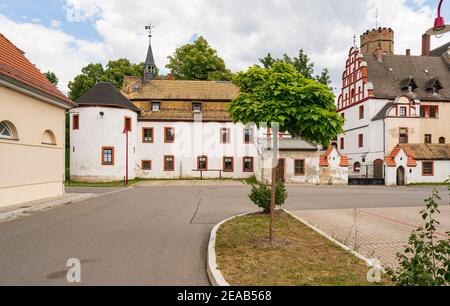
150	67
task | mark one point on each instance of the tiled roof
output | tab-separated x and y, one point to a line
105	94
135	88
14	65
389	75
324	158
419	152
440	50
293	144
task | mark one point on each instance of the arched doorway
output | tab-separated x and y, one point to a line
401	176
378	169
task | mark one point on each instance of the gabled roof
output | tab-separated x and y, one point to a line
440	50
15	67
434	82
135	88
419	152
391	75
324	158
105	94
404	84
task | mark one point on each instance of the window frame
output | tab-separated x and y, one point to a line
423	167
342	143
9	130
165	134
156	104
104	163
142	165
400	133
125	125
166	169
361	112
76	126
400	114
232	164
360	140
228	132
194	105
252	136
143	134
253	164
303	173
442	140
206	162
357	167
426	137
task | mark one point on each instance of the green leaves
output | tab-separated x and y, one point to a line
51	76
198	61
281	94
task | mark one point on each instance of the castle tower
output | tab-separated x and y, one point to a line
378	38
150	66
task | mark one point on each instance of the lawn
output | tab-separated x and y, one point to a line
302	258
106	184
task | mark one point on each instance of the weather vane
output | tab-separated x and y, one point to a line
377	14
150	28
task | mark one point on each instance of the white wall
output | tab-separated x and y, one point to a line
334	174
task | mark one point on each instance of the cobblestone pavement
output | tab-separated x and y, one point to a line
373	232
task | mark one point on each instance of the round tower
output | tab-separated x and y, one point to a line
376	38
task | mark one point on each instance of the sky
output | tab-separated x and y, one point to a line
65	35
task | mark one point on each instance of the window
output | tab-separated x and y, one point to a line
225	135
403	135
248	135
228	164
403	110
429	111
361	112
428	138
169	163
248	164
5	131
299	167
76	122
357	167
156	106
360	140
127	124
197	107
146	165
342	144
169	135
427	168
108	156
433	111
147	135
202	163
442	140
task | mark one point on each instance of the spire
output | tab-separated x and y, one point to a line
150	67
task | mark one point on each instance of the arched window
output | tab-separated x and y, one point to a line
442	140
7	130
48	138
357	167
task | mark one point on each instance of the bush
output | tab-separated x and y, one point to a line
261	194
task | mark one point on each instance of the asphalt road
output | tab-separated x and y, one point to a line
151	235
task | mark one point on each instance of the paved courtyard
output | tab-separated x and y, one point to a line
156	235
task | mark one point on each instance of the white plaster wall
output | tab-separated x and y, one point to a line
96	132
334	174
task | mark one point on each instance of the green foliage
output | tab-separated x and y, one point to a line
281	94
51	76
302	63
426	259
261	195
114	73
198	61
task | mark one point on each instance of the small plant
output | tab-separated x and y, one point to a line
261	193
426	259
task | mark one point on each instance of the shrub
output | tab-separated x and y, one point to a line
426	259
261	194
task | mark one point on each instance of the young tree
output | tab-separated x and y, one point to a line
51	76
198	61
282	95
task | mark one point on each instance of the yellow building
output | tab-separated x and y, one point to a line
32	130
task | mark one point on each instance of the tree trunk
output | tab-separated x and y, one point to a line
272	202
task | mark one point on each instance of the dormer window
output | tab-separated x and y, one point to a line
197	107
409	84
434	85
156	106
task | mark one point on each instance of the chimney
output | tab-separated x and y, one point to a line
379	55
408	52
169	77
426	44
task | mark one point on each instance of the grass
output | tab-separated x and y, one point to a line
311	260
100	184
428	184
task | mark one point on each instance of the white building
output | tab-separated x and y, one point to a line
390	99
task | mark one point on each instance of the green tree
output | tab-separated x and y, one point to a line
51	76
114	72
282	95
324	77
198	61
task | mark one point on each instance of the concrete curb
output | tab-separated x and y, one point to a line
340	244
214	275
14	214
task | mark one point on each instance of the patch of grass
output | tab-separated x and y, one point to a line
100	184
428	184
311	260
251	180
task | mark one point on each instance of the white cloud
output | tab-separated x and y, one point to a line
241	30
55	24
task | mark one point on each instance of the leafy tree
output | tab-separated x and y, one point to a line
302	63
114	72
198	61
282	95
261	195
51	76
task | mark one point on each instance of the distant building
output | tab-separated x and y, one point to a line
390	99
32	130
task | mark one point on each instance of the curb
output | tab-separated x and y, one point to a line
214	275
340	244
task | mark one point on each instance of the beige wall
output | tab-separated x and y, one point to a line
418	127
29	169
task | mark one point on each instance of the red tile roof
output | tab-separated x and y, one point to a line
14	64
390	159
324	158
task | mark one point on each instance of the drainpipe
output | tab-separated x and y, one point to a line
126	156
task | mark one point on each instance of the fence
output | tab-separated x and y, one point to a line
366	175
